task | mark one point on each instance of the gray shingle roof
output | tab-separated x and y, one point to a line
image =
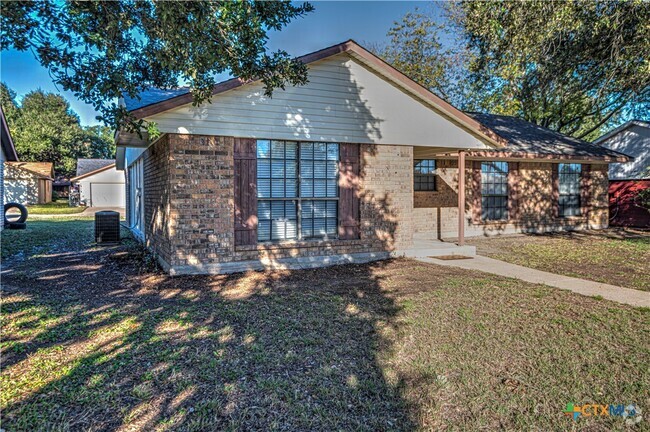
89	165
151	96
527	137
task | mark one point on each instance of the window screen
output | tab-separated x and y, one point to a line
424	175
494	191
569	184
297	186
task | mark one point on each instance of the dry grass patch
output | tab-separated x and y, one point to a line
616	257
95	341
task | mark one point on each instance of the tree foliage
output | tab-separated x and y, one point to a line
569	66
45	129
100	50
416	50
574	67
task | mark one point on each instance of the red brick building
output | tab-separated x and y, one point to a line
356	165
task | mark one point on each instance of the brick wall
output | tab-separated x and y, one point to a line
202	199
535	206
156	198
387	195
189	206
599	203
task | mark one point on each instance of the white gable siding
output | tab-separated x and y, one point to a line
633	141
343	102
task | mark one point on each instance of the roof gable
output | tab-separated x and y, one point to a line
642	124
181	97
40	169
88	165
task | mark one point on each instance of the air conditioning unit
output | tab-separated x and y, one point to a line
107	226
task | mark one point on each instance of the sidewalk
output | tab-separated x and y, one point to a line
581	286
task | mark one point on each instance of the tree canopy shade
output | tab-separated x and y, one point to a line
569	66
45	129
100	50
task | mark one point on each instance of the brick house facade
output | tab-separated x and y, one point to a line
190	207
210	195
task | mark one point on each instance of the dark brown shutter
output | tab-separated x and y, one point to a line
585	190
476	191
245	155
513	190
555	190
348	192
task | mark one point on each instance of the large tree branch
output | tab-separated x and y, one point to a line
603	120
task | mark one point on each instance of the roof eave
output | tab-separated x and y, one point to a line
7	142
90	173
514	155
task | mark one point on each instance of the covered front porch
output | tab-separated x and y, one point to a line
440	209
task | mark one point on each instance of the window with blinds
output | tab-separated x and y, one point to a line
569	193
494	191
297	190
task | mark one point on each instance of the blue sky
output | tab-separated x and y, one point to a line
331	23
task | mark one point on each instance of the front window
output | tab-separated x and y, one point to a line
494	191
569	185
297	190
424	175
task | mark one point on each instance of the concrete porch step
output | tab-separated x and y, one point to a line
423	248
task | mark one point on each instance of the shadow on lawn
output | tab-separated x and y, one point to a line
112	346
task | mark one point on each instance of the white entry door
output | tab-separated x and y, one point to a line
107	195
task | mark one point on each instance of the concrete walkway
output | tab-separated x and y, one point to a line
581	286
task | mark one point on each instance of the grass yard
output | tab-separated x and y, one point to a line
48	237
616	257
54	208
95	339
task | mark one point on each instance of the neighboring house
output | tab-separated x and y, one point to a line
628	179
7	154
632	139
29	182
356	165
99	183
61	187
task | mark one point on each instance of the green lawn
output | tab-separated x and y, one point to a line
48	237
615	257
93	338
54	207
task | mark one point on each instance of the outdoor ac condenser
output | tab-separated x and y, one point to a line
107	227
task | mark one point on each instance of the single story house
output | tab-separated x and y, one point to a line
628	179
356	165
28	182
99	184
7	154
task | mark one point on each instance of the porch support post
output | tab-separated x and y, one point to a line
461	197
